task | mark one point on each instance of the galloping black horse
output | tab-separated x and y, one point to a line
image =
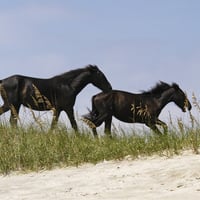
128	107
57	93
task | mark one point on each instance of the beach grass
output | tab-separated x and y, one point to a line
33	149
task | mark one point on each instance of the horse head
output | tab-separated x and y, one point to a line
180	98
98	78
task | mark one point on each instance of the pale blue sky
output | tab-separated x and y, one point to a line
135	43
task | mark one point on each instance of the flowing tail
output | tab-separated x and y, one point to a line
90	117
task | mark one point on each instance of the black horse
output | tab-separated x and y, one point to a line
128	107
57	93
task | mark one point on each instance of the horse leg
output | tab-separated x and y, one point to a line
70	114
4	109
94	131
108	122
98	121
154	128
163	124
107	129
56	114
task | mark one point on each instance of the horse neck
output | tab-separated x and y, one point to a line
166	97
80	82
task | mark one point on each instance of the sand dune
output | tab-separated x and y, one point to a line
145	178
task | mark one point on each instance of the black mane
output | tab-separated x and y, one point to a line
158	89
70	75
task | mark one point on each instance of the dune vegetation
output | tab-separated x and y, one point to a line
31	148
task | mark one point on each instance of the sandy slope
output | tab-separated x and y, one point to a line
145	178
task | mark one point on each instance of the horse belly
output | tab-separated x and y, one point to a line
37	106
129	115
125	115
125	119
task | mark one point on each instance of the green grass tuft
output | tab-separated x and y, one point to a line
33	150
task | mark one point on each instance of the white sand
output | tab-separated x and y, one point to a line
146	178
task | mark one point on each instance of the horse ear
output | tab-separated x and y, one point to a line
175	86
92	68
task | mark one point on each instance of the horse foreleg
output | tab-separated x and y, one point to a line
70	114
163	124
107	130
154	128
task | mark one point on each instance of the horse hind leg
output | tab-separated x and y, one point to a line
94	121
70	114
14	112
4	109
88	120
99	120
54	122
107	130
94	131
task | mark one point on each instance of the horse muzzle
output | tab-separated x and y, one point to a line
189	107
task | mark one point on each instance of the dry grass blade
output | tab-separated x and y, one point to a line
14	112
142	111
41	99
38	95
36	119
89	123
195	102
